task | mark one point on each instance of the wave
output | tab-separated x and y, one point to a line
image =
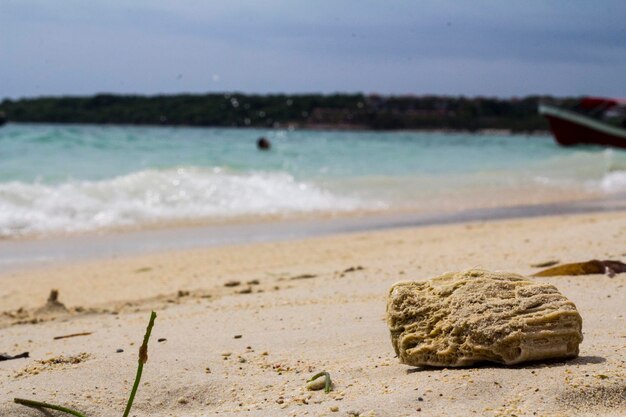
609	183
158	195
614	182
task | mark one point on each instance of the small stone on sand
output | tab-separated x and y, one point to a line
316	384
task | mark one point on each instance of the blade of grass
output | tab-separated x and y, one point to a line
38	404
143	358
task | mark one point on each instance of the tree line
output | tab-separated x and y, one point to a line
345	111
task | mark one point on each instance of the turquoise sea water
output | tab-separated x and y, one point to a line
57	178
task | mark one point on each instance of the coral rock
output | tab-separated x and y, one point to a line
459	319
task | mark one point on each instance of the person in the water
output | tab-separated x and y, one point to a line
263	144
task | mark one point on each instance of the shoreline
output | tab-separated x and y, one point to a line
38	251
302	306
508	199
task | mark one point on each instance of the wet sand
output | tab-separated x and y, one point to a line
296	307
36	251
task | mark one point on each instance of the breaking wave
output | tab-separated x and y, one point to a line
158	195
614	182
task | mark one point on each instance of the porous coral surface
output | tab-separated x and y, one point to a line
461	318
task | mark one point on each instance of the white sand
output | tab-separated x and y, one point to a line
332	321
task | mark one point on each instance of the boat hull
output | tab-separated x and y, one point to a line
570	129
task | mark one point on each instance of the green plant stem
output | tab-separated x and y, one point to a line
327	382
38	404
143	358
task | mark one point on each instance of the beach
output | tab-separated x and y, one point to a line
241	327
301	209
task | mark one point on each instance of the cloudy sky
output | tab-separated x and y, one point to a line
493	48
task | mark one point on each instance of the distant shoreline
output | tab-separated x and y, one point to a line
306	111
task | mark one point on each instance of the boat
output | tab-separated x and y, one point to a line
592	120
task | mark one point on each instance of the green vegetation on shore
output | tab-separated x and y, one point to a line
344	111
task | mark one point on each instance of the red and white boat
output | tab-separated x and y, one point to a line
593	120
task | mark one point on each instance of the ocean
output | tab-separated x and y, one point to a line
78	178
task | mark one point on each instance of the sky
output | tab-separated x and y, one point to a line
444	47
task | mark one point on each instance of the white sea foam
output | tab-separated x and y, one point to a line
609	183
158	195
614	182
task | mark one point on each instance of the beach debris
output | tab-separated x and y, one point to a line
545	264
119	350
67	336
303	276
462	318
353	269
237	336
608	267
316	383
53	305
232	283
7	357
161	339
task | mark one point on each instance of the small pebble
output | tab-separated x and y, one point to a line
119	351
316	384
226	354
237	336
334	408
162	339
232	283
